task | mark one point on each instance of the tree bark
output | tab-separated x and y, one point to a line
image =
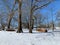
19	18
9	23
30	23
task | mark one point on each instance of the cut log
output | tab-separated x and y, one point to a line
41	30
10	30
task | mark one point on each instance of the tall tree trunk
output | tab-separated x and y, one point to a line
19	19
30	22
31	13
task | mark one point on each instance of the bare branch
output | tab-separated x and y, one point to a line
41	6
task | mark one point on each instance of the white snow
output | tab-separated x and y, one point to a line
57	27
36	38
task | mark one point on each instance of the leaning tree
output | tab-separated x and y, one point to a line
11	11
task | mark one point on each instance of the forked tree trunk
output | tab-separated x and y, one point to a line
19	18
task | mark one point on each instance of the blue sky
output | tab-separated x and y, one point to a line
51	9
55	5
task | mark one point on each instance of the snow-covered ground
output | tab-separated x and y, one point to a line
36	38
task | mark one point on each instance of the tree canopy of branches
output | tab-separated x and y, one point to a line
35	7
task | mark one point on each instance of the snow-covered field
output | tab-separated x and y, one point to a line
36	38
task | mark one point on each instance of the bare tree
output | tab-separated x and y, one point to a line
58	18
11	11
20	14
11	14
33	9
52	19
